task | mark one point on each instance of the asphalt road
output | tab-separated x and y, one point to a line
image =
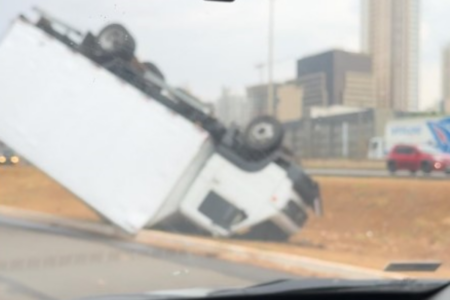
375	174
41	263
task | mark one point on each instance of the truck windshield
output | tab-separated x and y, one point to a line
198	144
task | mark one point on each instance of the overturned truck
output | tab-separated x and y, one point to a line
85	110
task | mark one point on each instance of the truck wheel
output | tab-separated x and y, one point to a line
264	134
426	167
392	168
115	40
150	67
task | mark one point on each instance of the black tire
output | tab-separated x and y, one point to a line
426	167
115	40
391	167
264	134
150	67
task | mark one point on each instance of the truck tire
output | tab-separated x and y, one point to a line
426	167
150	67
264	134
392	168
115	40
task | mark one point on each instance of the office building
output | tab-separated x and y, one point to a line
289	102
390	34
336	78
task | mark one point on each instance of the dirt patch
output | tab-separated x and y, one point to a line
367	222
28	188
371	222
402	219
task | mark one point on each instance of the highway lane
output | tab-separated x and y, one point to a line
41	263
375	174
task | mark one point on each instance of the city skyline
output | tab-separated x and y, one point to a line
314	29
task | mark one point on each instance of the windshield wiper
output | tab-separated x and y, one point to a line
336	286
303	287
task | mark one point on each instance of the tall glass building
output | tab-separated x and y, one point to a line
390	34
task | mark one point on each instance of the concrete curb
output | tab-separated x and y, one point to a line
219	249
291	263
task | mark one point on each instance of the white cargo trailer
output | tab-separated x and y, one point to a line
433	132
137	151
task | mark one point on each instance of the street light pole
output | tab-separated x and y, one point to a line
270	87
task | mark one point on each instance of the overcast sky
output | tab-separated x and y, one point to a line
205	46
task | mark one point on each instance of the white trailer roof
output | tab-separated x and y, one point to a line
108	143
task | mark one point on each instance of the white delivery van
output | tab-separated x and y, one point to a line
139	152
412	131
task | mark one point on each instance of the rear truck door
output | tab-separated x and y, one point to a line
112	146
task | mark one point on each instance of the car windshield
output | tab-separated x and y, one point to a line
166	145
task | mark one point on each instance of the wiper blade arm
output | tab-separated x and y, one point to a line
333	286
301	287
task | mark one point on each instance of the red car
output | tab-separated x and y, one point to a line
414	158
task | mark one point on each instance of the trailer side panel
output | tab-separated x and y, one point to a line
105	141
